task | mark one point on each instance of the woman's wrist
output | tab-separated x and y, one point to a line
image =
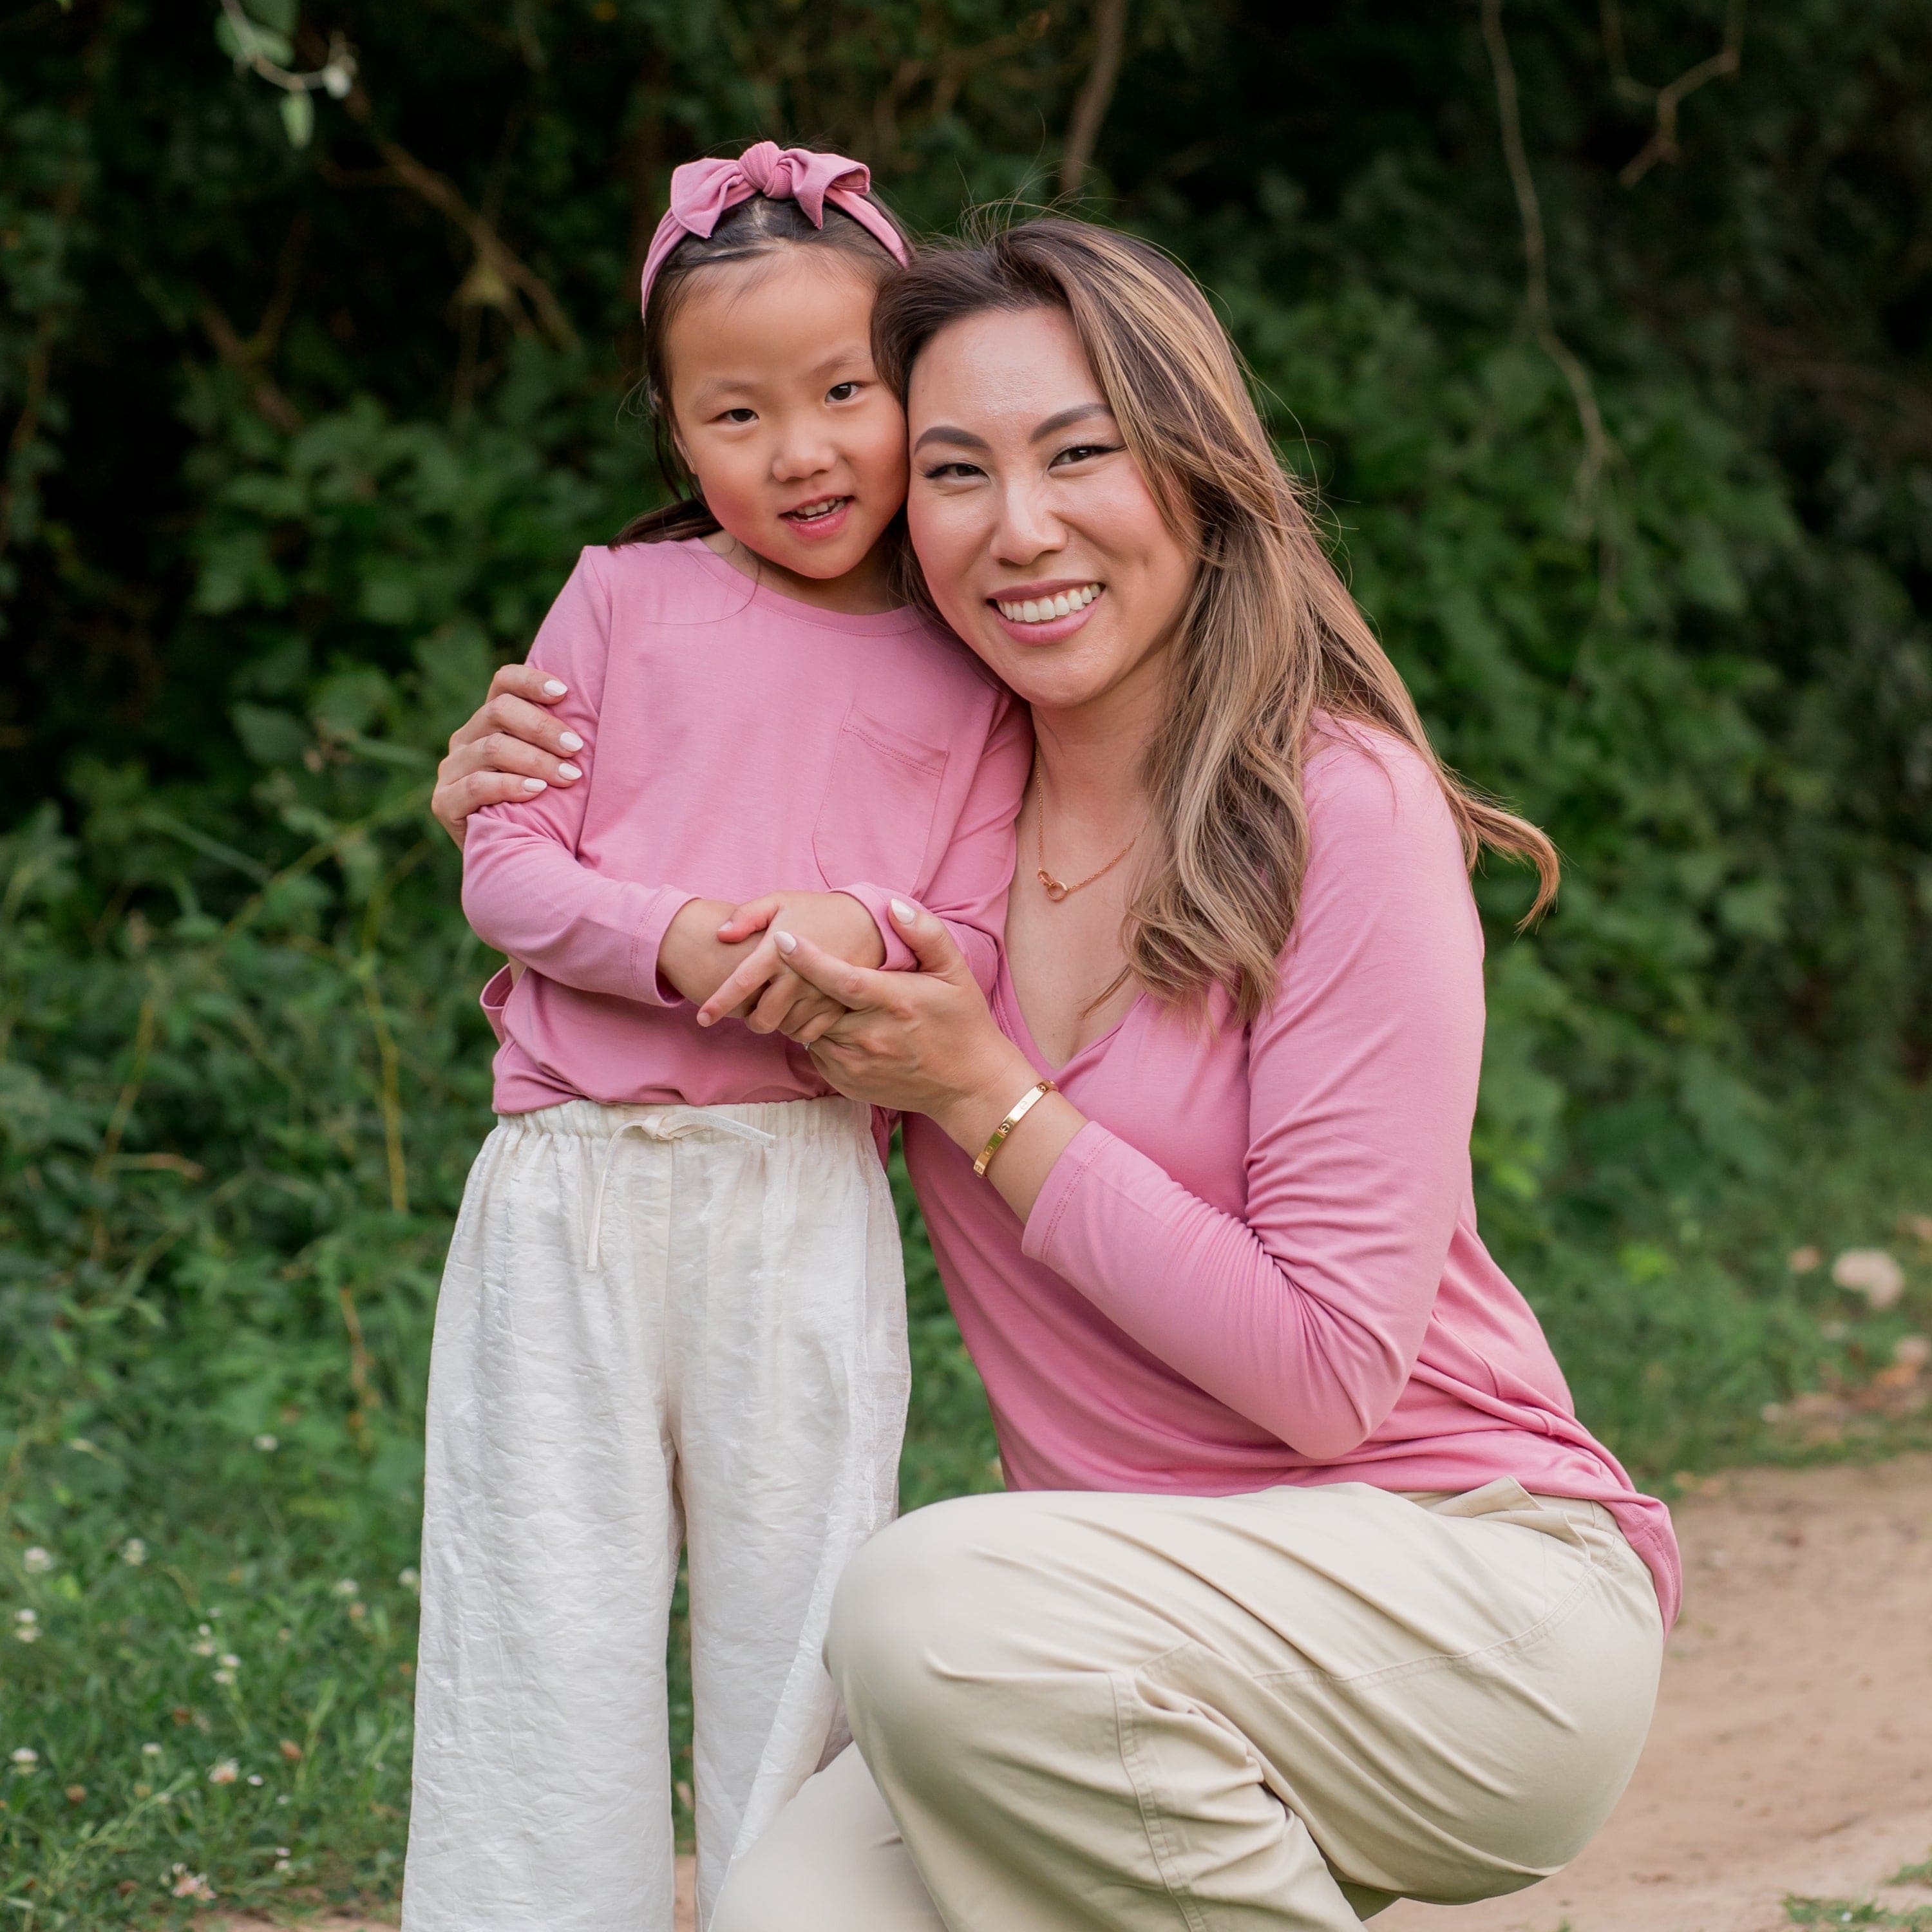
971	1118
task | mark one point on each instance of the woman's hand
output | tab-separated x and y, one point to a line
925	1042
512	748
763	990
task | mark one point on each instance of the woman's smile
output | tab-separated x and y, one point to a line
1044	614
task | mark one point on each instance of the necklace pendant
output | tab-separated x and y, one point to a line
1054	890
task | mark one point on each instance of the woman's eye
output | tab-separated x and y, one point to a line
841	392
950	473
1083	452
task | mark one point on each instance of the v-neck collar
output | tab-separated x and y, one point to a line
1021	1033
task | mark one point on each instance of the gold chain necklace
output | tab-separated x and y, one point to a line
1057	889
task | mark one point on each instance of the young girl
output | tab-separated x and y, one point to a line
673	1311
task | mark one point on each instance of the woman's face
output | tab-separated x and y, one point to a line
1043	545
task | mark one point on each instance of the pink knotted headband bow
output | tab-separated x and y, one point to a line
701	191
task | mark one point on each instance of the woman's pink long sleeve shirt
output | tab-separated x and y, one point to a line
1258	1262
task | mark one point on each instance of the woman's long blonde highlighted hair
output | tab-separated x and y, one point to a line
1269	635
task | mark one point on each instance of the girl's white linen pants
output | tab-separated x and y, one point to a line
658	1326
1269	1713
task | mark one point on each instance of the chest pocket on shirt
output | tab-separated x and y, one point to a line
875	821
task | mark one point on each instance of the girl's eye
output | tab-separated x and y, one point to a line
738	416
841	392
1084	452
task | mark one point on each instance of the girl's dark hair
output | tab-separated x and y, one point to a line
759	226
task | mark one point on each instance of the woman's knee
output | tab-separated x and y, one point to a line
913	1626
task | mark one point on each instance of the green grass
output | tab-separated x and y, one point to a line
1824	1912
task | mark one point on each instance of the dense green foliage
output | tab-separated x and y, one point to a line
301	439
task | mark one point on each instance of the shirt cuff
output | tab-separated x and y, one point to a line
899	956
649	988
1065	1176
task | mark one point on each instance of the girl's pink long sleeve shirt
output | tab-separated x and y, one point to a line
1258	1263
736	742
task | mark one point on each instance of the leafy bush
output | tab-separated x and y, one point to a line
301	439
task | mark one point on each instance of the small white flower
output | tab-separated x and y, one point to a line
202	1647
254	1777
284	1865
1912	1351
268	1444
1872	1273
410	1579
348	1587
192	1885
135	1551
26	1757
224	1677
226	1772
204	1629
37	1560
26	1627
151	1751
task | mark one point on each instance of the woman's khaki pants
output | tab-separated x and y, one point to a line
1106	1713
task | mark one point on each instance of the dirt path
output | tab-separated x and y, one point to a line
1793	1749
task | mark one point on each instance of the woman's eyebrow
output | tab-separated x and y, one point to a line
947	433
1063	418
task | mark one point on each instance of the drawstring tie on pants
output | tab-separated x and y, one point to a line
681	1127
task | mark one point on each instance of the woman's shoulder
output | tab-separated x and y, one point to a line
1360	778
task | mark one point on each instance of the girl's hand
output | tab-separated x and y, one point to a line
512	748
763	990
925	1042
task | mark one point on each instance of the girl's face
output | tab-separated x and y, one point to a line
1044	548
799	448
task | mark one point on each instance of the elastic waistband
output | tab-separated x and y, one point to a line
780	1119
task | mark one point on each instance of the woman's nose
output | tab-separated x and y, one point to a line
1027	527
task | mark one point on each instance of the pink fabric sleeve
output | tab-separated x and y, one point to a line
968	890
1306	1314
524	890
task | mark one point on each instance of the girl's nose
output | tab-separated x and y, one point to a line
801	455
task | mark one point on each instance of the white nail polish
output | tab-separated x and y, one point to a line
571	742
555	687
784	942
569	772
535	784
903	913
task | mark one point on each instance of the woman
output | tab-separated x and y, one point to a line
1308	1591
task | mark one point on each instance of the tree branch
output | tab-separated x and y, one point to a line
1090	110
498	266
245	359
1662	145
1536	260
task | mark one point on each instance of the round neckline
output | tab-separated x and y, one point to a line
1020	1031
878	623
